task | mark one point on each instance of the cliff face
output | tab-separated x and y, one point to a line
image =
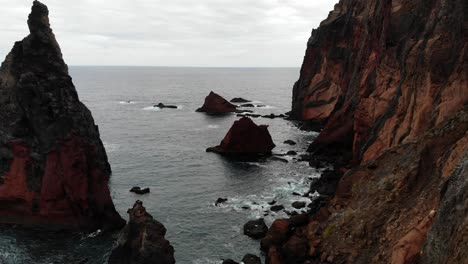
388	82
381	73
53	166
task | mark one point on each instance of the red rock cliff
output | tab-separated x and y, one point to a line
388	81
379	73
53	166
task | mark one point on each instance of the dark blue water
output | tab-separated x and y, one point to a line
165	150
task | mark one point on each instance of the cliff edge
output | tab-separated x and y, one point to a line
385	83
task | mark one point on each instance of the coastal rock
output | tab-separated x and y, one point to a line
215	104
229	261
162	106
298	204
291	153
245	139
239	100
142	240
277	234
54	170
251	259
220	201
290	142
247	105
276	208
255	229
139	190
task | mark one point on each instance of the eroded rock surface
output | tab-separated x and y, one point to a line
142	240
54	170
215	104
245	139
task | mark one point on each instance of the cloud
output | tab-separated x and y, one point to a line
174	32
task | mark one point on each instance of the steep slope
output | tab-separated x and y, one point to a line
379	73
386	83
53	166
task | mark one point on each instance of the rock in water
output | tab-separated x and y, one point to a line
53	166
142	240
255	229
215	104
239	100
245	139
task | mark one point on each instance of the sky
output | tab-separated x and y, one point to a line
204	33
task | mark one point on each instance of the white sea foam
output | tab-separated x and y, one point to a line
152	108
110	147
207	261
126	102
213	126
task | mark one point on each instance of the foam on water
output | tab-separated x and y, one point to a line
127	102
152	108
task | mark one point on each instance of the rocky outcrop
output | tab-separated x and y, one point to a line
53	167
382	73
215	104
245	139
142	240
387	81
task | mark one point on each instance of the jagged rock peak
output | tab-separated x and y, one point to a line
38	20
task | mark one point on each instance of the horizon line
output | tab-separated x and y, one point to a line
159	66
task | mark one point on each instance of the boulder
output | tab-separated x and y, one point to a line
276	208
255	229
239	100
277	234
291	153
142	240
298	204
251	259
215	104
289	142
54	169
138	190
220	201
247	105
161	105
229	261
245	139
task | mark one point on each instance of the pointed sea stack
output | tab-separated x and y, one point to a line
216	105
142	240
245	139
54	170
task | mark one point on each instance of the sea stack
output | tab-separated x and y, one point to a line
54	171
216	105
142	240
388	79
245	139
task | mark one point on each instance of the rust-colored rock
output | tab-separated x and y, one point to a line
142	240
245	139
54	171
215	104
277	234
381	73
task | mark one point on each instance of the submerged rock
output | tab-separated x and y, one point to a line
276	208
142	240
298	204
289	142
220	201
255	229
251	259
161	105
245	139
138	190
215	104
54	170
239	100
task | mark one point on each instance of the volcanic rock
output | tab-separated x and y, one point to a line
239	100
247	105
289	142
215	104
161	105
54	170
298	204
138	190
276	208
229	261
220	201
142	240
255	229
245	139
251	259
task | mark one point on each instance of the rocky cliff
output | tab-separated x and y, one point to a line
53	166
386	83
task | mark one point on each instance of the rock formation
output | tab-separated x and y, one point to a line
387	83
215	104
245	139
53	167
142	240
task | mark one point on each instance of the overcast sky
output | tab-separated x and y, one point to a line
233	33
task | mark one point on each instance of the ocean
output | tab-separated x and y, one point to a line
164	149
